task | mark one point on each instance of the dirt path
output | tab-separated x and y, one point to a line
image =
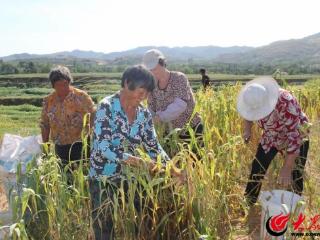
249	229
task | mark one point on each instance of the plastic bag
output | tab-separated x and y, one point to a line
16	149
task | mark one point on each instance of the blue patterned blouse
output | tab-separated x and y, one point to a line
114	139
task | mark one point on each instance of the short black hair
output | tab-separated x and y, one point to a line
60	73
202	70
138	77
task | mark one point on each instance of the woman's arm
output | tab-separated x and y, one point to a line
286	170
44	122
150	141
173	110
247	130
45	132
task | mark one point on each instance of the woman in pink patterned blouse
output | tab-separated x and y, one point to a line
285	130
172	101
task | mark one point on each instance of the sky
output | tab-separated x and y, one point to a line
47	26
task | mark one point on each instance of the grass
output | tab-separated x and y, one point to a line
22	120
210	202
30	92
31	88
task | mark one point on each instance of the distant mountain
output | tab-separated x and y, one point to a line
295	50
66	54
306	50
78	54
20	56
176	53
181	53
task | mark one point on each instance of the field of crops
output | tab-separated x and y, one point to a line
210	202
31	88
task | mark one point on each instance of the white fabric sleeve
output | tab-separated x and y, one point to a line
173	110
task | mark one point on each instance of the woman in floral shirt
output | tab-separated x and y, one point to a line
285	129
62	116
121	126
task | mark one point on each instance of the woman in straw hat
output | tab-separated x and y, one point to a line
285	128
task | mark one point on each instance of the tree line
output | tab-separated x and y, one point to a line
85	66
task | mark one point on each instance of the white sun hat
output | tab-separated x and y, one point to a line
151	58
258	98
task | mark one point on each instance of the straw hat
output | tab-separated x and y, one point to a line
258	98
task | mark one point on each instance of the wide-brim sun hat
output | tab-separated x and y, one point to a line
258	98
151	58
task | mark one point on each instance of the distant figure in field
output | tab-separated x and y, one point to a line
285	130
62	115
205	79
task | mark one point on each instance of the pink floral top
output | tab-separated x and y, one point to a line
178	87
283	126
